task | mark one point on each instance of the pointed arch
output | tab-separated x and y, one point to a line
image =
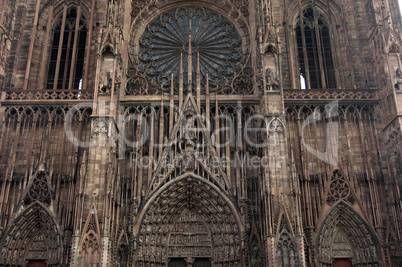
201	197
66	59
188	136
122	247
277	126
256	249
342	217
314	48
286	253
284	222
90	241
34	234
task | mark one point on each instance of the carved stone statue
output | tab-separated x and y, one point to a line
271	79
398	79
106	86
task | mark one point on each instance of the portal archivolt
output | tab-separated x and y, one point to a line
345	226
189	212
32	236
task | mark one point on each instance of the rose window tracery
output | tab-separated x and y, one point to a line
187	34
339	189
39	191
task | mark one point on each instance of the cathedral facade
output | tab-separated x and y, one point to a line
200	133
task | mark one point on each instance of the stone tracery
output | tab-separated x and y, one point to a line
202	34
286	251
339	189
39	190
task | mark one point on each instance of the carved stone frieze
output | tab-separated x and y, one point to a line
42	95
294	95
190	237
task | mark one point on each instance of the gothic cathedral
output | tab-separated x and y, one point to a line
225	133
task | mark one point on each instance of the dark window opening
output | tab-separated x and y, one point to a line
66	72
314	52
202	262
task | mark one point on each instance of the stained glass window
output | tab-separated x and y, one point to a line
174	37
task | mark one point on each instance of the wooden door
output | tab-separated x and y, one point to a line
342	263
36	264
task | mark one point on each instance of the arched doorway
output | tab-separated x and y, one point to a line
33	239
189	219
345	236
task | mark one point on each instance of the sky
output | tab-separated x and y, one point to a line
400	5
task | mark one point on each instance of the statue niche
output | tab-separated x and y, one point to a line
106	71
270	67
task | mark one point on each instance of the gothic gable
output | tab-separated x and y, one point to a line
188	134
38	187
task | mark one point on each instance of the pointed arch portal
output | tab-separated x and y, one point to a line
345	235
189	218
33	237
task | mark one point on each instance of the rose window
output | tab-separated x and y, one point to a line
190	34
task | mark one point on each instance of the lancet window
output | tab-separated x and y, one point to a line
314	52
67	51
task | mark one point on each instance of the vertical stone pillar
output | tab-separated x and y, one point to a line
98	183
282	187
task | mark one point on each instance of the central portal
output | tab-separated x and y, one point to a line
189	220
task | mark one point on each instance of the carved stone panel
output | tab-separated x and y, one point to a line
190	237
341	247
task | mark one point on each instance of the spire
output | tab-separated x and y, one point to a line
198	81
181	81
207	107
190	62
171	101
